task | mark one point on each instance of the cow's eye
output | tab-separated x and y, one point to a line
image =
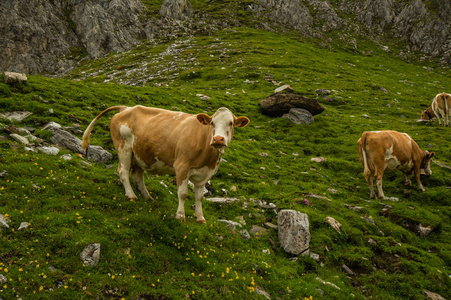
212	124
231	123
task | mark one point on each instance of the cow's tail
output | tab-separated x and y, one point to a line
366	169
87	133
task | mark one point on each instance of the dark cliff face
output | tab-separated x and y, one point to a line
50	36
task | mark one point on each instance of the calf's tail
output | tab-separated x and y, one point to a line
87	133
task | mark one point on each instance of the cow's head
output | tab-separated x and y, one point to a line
222	123
427	114
426	163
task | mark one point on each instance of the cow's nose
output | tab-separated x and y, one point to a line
218	141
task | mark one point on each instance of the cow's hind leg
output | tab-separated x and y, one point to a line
199	194
378	174
408	182
369	180
124	154
138	177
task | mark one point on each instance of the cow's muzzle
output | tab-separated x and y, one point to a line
218	141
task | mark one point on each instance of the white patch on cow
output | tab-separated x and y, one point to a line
375	131
393	163
221	120
202	175
126	133
178	116
159	167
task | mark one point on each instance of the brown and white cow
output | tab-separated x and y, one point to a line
440	108
388	149
167	142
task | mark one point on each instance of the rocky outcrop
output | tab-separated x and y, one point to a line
50	36
45	36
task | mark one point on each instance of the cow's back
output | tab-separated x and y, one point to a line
161	135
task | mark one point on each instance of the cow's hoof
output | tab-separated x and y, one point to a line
180	218
201	221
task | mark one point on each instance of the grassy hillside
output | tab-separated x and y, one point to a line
147	254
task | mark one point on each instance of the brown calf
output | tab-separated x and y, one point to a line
388	149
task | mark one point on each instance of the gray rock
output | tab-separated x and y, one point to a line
91	254
13	78
347	270
299	116
49	150
260	291
222	200
66	157
280	103
16	116
284	88
294	234
433	296
65	139
231	224
245	234
176	9
318	159
23	225
258	231
3	221
19	138
3	279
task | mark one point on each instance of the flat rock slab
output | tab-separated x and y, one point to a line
16	116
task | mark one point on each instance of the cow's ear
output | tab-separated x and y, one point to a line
241	122
204	119
431	155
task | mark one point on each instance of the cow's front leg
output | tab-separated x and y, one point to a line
199	194
417	177
182	193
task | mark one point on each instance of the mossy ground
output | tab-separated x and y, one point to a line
147	254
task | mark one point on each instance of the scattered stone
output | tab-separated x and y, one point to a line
315	256
203	97
433	296
3	279
328	283
19	138
23	225
333	191
352	207
30	149
442	165
271	225
51	125
245	234
370	220
3	221
231	224
299	116
423	231
3	173
66	157
263	154
241	220
294	234
49	150
261	291
284	88
223	200
311	195
16	116
323	92
335	225
347	269
318	159
13	78
91	255
258	231
372	242
394	199
280	103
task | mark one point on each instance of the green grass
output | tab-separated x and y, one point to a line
147	254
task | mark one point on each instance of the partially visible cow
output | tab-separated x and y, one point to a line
388	149
440	108
167	142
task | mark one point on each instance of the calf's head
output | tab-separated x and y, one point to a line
425	166
221	124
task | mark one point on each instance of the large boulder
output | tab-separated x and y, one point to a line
13	78
299	116
294	234
280	103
